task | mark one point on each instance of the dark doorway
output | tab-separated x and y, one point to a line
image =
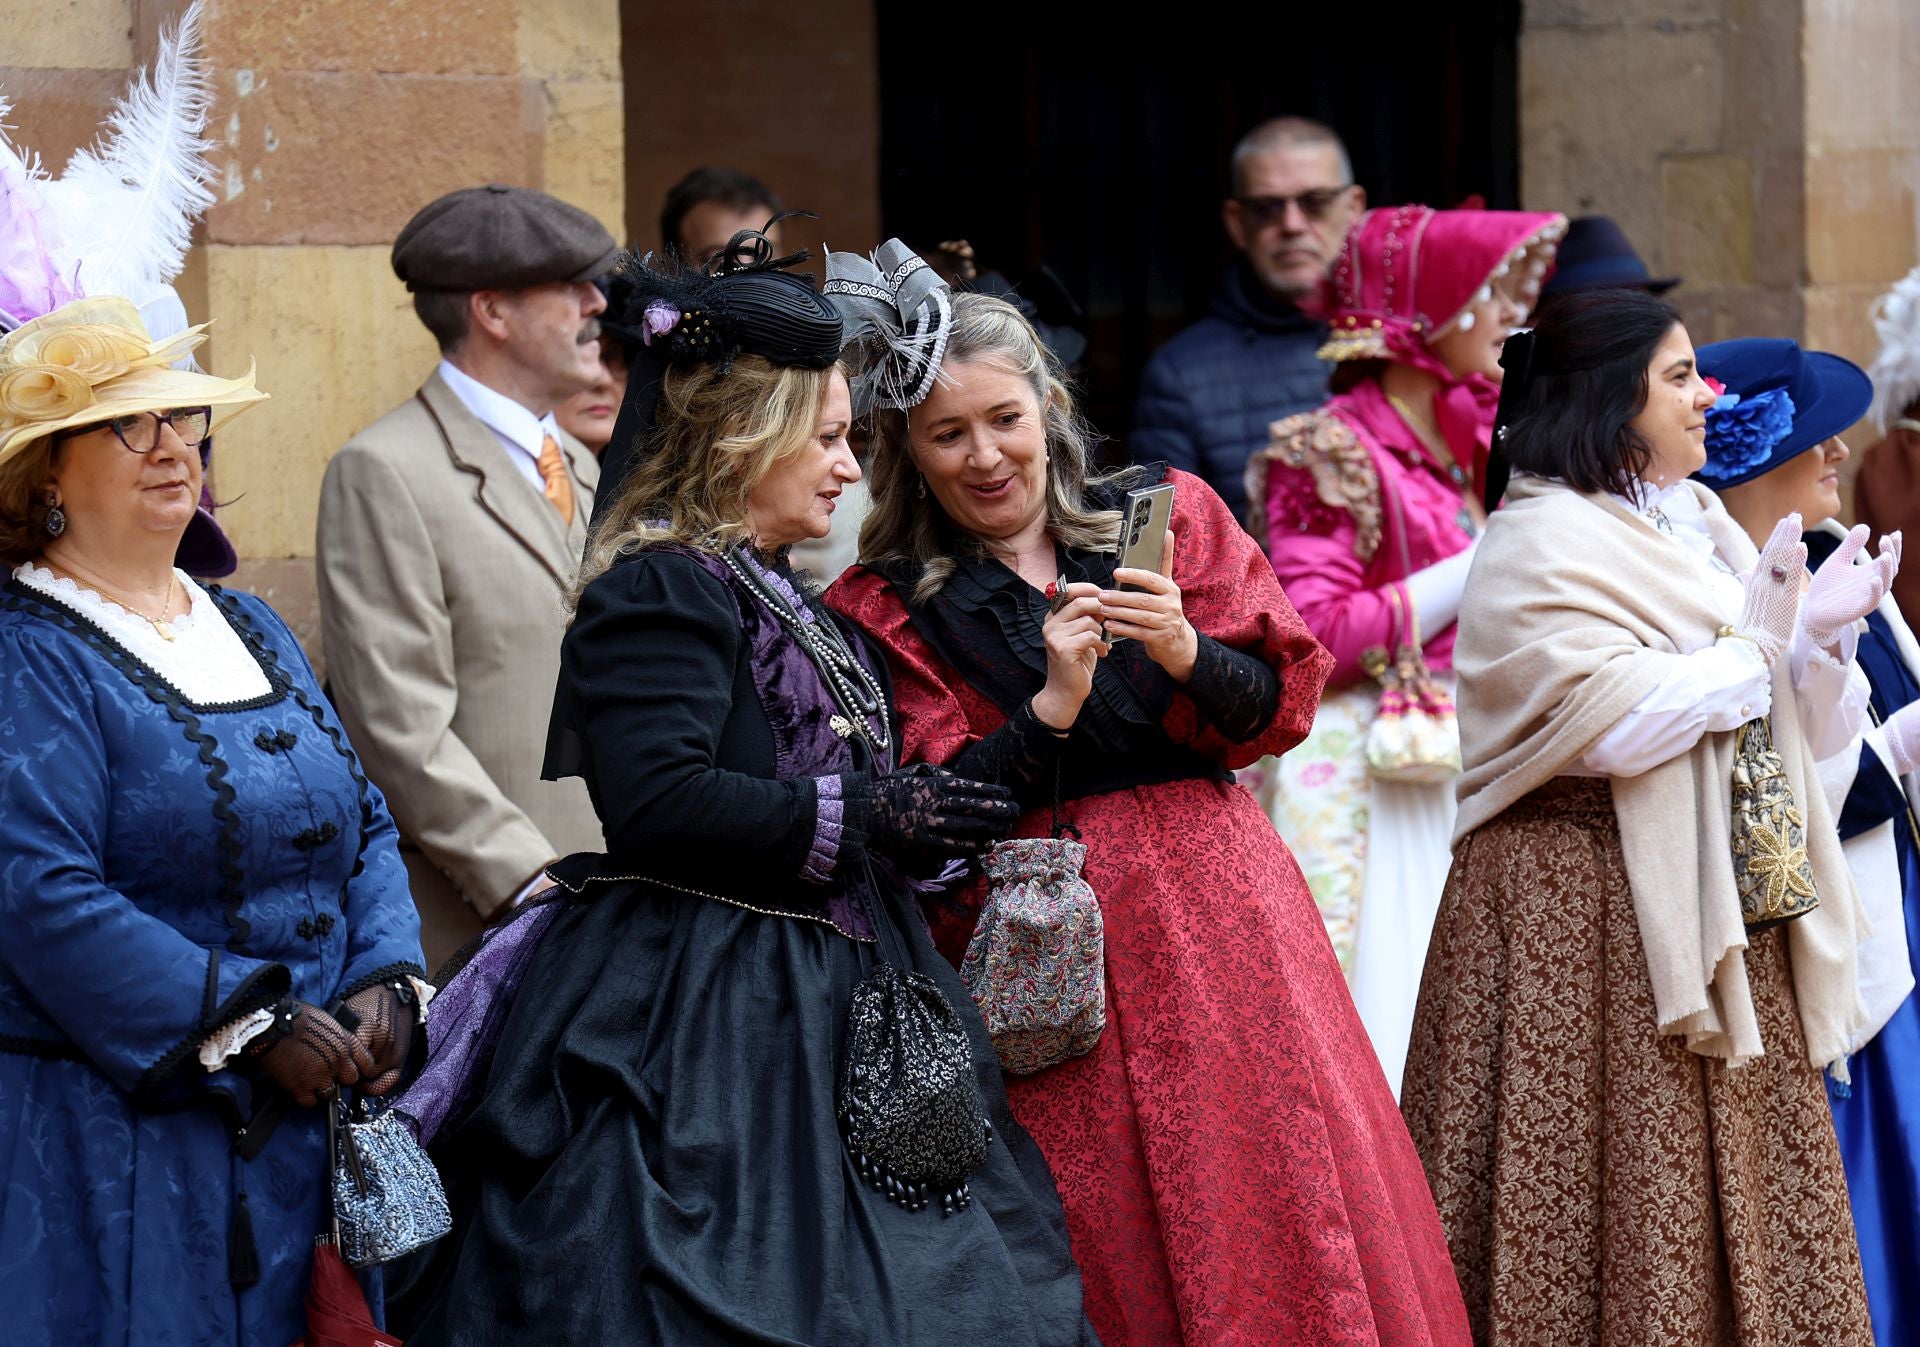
1095	140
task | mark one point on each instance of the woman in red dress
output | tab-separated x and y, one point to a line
1232	1163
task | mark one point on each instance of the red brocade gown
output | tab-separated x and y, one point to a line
1233	1165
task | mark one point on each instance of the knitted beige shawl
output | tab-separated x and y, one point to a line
1576	609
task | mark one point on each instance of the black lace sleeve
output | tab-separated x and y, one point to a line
1238	693
1020	755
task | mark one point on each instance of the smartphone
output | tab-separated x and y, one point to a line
1143	526
1144	519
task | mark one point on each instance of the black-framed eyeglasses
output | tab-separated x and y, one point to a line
140	431
1315	204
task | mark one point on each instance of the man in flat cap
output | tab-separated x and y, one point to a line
450	530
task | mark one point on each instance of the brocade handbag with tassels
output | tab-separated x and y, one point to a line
1415	735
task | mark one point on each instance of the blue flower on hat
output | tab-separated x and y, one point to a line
1741	435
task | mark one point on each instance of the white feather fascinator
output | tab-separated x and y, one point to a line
119	220
897	315
1896	370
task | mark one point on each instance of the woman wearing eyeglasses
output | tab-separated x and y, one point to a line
205	928
1369	511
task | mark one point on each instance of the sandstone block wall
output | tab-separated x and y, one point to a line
334	120
1767	151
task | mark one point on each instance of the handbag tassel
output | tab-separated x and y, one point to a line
243	1255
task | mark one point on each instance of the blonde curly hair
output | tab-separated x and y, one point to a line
716	436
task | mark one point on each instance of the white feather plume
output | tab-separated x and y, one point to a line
1896	370
126	206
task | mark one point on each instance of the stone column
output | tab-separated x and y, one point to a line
1766	151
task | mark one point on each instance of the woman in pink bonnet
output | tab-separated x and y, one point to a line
1369	508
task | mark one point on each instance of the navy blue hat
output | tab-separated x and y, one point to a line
1596	255
1788	401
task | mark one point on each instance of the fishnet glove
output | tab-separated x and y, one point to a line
313	1055
1846	589
1773	591
383	1022
928	813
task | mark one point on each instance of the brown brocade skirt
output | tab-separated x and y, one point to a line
1599	1183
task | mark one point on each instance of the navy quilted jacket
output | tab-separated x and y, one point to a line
1208	396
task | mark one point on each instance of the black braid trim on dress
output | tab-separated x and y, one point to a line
269	661
261	989
187	715
1239	693
46	1049
392	972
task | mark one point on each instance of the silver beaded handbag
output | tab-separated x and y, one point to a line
387	1196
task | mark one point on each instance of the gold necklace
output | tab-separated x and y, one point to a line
162	624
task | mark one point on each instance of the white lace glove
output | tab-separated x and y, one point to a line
1849	586
1902	730
1773	591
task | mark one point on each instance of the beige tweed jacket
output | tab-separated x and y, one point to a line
441	577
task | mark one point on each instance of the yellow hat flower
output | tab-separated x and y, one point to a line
94	351
43	393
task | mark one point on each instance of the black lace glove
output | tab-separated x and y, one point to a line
928	813
382	1018
1020	755
307	1053
1238	693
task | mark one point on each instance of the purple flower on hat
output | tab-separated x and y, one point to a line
657	320
1742	434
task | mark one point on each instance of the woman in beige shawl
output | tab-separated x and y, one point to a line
1614	1085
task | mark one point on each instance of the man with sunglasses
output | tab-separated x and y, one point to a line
1208	396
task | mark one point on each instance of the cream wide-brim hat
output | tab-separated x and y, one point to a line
90	361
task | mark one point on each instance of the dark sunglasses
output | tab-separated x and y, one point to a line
140	431
1262	211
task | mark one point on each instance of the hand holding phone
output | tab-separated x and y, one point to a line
1147	607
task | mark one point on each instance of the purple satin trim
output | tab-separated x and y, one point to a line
464	1022
829	826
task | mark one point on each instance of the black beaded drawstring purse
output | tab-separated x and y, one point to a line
909	1106
907	1101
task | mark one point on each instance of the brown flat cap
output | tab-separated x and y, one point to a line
500	238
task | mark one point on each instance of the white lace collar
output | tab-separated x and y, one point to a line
206	662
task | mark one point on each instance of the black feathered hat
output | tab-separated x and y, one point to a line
742	302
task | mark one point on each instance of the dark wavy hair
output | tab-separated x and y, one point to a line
1567	410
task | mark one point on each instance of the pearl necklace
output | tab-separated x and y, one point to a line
862	703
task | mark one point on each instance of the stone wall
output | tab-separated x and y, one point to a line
334	123
1766	151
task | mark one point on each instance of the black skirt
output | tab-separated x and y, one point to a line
655	1158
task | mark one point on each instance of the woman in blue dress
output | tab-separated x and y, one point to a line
194	876
1773	448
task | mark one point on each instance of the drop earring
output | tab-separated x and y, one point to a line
920	488
56	521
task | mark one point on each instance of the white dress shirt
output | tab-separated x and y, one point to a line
519	431
1722	686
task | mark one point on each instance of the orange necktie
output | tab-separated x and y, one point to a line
553	472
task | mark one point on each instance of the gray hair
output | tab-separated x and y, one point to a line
906	525
1281	133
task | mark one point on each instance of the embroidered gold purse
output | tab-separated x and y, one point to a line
1770	865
